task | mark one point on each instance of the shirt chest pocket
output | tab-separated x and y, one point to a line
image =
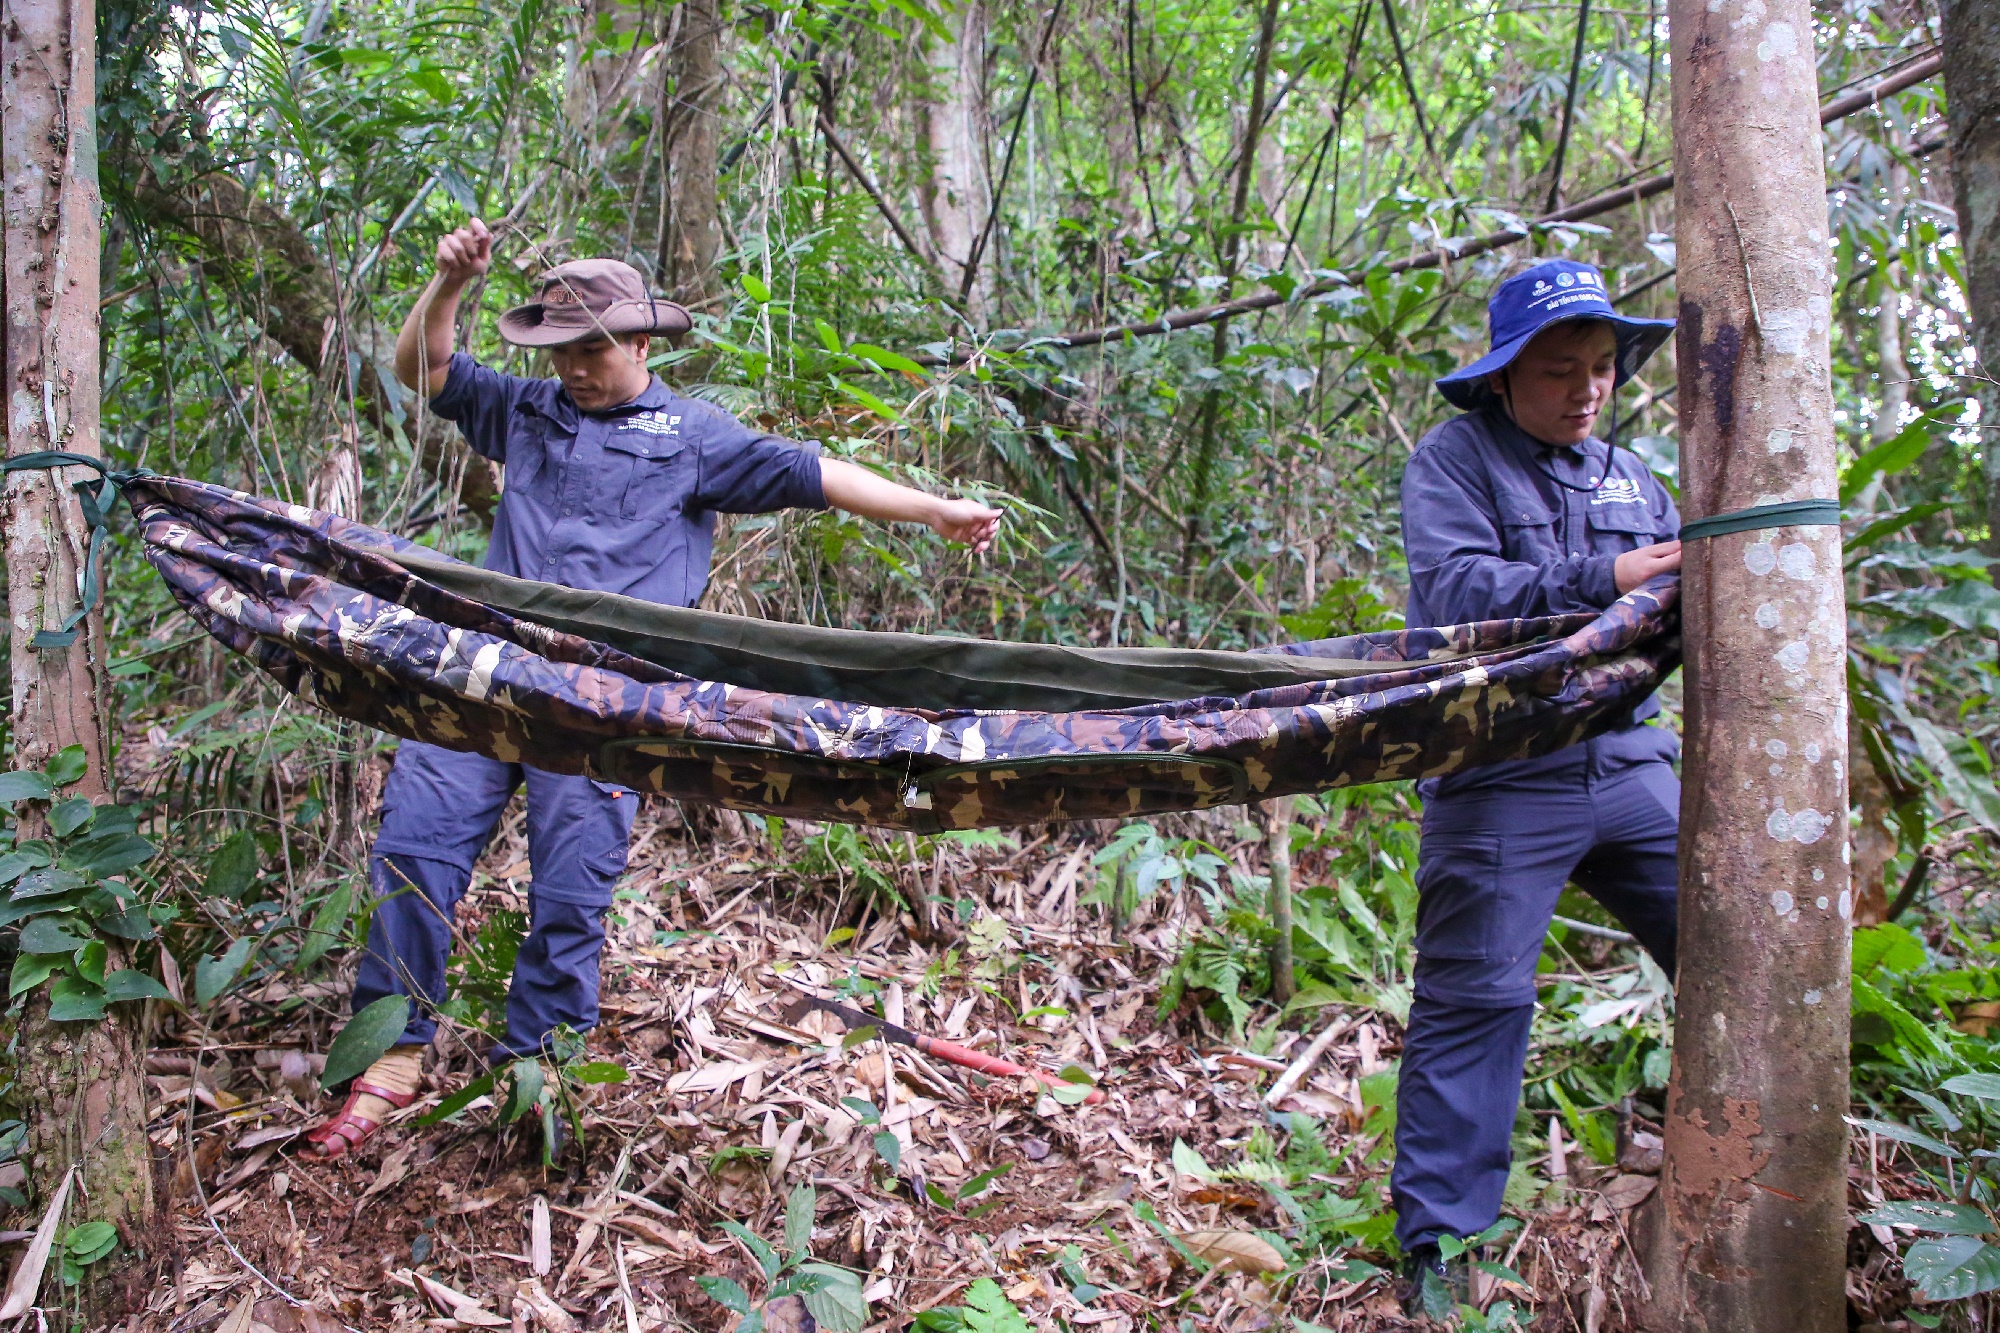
1619	527
1527	529
647	475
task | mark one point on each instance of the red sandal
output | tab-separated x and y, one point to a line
346	1131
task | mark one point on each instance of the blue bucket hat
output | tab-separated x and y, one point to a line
1553	293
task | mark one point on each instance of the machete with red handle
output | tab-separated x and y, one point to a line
949	1051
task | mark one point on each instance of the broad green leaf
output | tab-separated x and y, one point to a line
1904	1134
1986	1087
754	288
458	1101
525	1082
91	960
890	1149
1891	456
885	358
46	883
103	854
983	1179
68	765
328	926
126	984
233	868
836	1303
867	1032
828	339
599	1071
1954	1219
1952	1268
49	934
800	1209
131	924
1189	1162
1887	946
24	785
767	1258
725	1293
31	970
214	975
863	1111
18	863
90	1241
73	1000
66	817
365	1038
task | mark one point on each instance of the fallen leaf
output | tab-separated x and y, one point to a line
1234	1251
1629	1191
541	1254
546	1312
28	1277
394	1167
459	1305
239	1318
713	1077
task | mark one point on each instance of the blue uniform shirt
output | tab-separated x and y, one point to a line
621	501
1491	534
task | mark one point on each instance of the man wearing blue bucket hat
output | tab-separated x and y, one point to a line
1517	509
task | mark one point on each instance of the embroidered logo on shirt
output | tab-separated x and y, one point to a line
1618	491
656	422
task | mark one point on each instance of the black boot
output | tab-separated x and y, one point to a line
1433	1285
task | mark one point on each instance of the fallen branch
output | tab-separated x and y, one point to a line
1609	201
1296	1074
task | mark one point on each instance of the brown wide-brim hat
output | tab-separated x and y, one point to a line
591	298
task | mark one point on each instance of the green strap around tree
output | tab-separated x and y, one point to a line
1787	514
96	499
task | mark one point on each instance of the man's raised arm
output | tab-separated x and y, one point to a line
854	488
423	348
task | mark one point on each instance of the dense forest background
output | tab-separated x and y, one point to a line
885	215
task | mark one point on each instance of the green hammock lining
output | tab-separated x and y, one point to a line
887	670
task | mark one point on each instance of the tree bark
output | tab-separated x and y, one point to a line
954	122
1753	1194
693	237
78	1083
1278	849
1971	50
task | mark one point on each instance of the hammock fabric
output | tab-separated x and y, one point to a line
920	732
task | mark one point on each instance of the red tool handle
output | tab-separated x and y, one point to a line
989	1064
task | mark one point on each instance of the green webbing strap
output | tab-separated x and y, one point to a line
96	499
1789	514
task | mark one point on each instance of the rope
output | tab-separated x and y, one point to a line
96	499
1788	514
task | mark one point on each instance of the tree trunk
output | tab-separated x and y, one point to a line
1278	848
78	1083
956	199
693	237
1753	1195
1971	50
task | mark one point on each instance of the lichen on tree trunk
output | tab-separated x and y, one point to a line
1753	1215
77	1085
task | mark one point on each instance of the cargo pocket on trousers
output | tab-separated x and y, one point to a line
1458	887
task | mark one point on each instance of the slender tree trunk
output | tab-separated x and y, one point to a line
1278	848
1231	255
1971	50
956	128
693	237
1753	1195
78	1083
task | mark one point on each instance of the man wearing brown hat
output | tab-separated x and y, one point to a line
612	484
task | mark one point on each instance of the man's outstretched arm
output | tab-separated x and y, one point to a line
854	488
423	348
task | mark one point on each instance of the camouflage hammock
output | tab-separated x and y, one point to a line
920	732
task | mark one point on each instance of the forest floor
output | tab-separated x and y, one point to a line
1098	1215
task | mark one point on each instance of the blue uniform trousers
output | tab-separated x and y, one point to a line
438	811
1494	859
